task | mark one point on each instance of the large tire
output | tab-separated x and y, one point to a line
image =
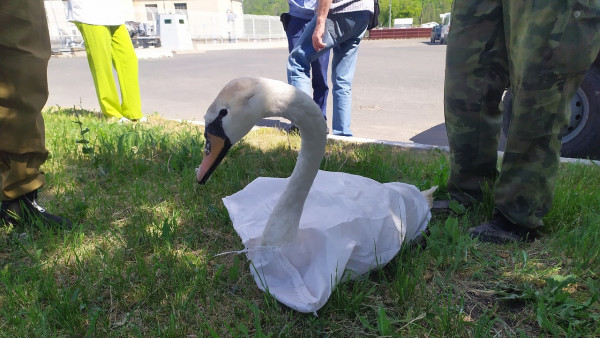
582	137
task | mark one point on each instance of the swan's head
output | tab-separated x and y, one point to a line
239	105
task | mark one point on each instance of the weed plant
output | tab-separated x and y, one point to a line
141	259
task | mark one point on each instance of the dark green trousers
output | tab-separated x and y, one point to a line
542	49
24	55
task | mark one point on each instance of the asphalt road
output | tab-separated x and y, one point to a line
397	89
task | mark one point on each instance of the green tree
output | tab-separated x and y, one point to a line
421	11
265	7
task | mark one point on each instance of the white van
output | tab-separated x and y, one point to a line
446	17
403	23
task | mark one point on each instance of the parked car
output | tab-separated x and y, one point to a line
429	24
446	18
436	33
581	138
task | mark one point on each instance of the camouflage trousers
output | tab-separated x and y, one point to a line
542	49
24	55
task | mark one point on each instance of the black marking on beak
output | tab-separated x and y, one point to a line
215	128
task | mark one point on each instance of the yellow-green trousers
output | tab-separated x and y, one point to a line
24	55
108	46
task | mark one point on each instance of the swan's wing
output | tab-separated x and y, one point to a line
350	225
417	212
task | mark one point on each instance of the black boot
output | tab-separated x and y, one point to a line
25	210
500	230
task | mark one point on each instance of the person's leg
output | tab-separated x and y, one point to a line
98	49
20	173
296	27
319	82
294	30
346	31
126	64
300	58
476	75
545	74
342	74
25	51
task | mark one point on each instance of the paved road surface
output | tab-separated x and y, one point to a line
397	90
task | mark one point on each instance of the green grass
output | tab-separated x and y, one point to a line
140	261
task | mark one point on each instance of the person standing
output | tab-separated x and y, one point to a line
338	25
529	45
108	44
300	14
25	51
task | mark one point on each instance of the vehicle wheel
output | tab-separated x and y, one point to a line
441	41
582	136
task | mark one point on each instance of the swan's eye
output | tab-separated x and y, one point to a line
207	147
222	112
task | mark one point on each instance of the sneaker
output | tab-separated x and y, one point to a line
126	120
25	210
500	230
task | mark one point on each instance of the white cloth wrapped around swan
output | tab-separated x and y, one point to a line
307	233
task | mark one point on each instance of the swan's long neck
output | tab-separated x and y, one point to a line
282	226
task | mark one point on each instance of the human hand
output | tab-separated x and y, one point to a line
317	37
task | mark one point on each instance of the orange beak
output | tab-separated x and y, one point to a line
215	150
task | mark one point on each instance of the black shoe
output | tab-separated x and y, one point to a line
500	230
25	210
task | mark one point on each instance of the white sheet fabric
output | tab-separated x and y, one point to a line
350	225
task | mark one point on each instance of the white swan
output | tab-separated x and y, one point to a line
304	238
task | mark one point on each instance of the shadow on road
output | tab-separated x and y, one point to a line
437	136
433	136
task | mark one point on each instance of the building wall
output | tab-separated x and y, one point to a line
208	20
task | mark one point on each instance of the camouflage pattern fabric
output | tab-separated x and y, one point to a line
24	55
543	49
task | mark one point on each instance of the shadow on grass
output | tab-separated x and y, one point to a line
140	260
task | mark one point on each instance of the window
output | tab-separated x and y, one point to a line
151	12
181	8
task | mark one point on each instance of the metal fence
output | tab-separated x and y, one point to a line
204	27
251	28
399	33
263	27
64	36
